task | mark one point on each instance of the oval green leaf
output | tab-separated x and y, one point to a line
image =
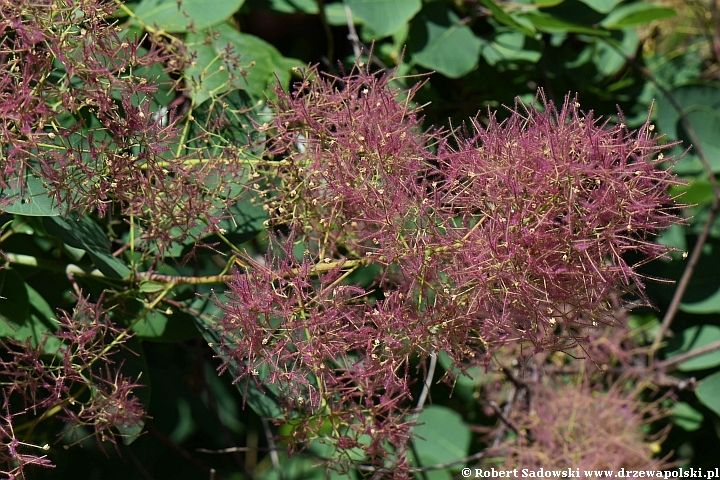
87	235
686	416
441	436
261	64
602	6
34	200
636	14
708	392
696	337
700	104
175	16
438	41
384	17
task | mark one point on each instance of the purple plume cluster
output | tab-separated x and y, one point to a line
517	231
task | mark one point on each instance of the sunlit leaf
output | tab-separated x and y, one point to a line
442	436
32	200
384	17
177	16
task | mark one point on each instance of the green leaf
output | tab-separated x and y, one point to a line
700	104
149	287
175	16
441	436
608	60
693	338
87	235
14	303
34	200
471	377
698	192
24	313
224	399
169	325
708	392
546	22
704	305
501	16
284	6
508	46
438	41
210	75
547	3
384	17
686	416
636	14
602	6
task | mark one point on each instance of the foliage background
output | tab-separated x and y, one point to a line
637	56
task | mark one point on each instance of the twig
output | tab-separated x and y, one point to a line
519	384
503	417
271	443
185	280
157	433
231	450
426	388
671	363
421	401
352	35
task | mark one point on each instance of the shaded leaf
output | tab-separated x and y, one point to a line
263	402
508	46
547	3
85	234
686	416
635	14
693	338
134	366
708	392
438	41
546	22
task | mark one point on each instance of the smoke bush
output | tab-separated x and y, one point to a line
515	232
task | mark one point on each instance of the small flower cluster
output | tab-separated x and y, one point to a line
80	380
578	427
77	114
515	233
562	200
327	353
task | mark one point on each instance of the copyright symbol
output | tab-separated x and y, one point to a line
466	472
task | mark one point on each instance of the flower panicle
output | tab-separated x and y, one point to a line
80	116
81	379
519	231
